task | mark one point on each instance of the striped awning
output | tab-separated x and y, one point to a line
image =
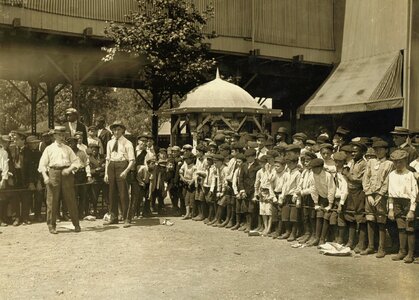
367	84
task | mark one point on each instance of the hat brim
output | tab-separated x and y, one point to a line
34	141
399	133
113	126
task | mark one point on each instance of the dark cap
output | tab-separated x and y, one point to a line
346	148
380	144
322	139
260	136
218	157
250	152
263	158
219	137
241	157
300	135
32	139
293	148
200	148
188	155
399	154
91	128
310	142
339	156
317	162
342	131
279	148
272	153
163	150
282	130
310	155
280	160
224	146
327	146
362	146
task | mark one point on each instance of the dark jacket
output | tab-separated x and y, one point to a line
105	136
247	178
80	127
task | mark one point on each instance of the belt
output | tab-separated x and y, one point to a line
118	161
59	168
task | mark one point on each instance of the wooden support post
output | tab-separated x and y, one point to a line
51	101
34	98
174	123
75	85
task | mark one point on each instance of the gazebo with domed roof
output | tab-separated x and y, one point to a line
221	104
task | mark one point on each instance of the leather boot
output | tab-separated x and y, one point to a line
361	241
350	242
291	238
341	231
236	226
382	241
325	229
411	248
402	244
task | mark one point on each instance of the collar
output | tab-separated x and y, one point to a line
404	145
58	144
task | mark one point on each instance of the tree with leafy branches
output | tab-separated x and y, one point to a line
170	34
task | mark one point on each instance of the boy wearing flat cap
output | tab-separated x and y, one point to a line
355	203
323	195
246	185
375	184
402	195
337	218
307	185
220	184
187	177
290	199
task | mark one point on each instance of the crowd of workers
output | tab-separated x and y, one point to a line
350	190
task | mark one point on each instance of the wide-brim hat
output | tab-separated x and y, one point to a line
282	130
71	110
342	131
32	139
59	130
117	123
398	130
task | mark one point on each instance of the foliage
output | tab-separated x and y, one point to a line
170	34
14	109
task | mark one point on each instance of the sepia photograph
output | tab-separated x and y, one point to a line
209	149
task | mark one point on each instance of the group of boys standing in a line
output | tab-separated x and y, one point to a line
312	191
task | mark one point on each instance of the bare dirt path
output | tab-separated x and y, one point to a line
186	261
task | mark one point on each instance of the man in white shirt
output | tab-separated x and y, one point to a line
57	164
4	175
119	161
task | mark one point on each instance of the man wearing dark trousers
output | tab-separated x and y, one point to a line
21	202
33	176
57	164
119	161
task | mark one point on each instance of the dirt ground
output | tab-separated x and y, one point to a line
188	260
